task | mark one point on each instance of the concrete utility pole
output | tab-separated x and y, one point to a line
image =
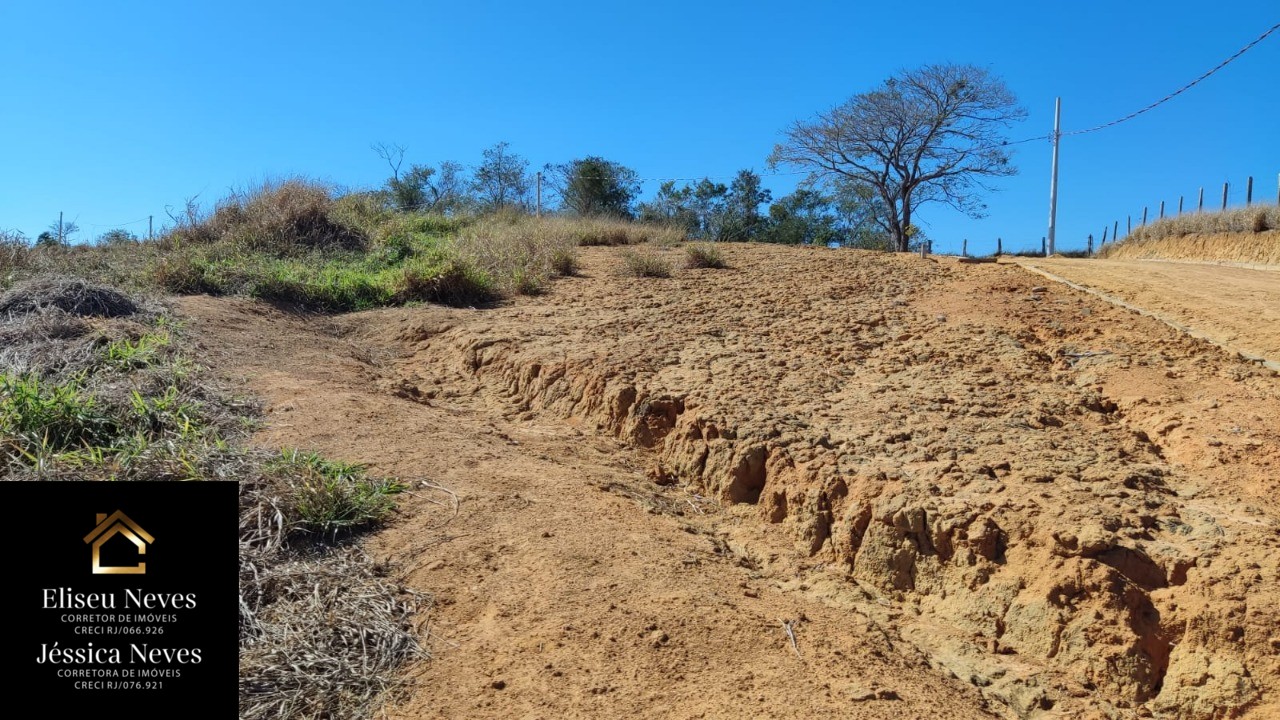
539	193
60	241
1053	183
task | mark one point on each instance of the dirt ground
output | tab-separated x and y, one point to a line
965	491
1234	306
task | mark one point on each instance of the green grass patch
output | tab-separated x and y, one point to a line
329	497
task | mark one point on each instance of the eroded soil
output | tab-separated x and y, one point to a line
968	491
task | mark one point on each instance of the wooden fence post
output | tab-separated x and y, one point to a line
1179	204
1115	231
1200	207
999	248
1144	216
1090	243
1224	194
1161	209
1104	237
964	247
1248	192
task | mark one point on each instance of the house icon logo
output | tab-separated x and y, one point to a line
117	523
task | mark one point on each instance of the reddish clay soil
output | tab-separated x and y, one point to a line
967	490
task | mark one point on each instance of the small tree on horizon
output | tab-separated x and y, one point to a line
595	187
502	182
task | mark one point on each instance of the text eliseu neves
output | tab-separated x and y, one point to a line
68	599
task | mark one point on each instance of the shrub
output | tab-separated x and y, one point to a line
441	279
279	218
704	256
117	237
645	264
564	261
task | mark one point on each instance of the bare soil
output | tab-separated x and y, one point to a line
1235	306
968	491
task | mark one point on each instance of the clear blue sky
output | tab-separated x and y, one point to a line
113	111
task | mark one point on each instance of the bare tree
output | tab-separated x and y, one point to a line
934	134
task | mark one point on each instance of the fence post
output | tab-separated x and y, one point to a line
1115	231
999	248
1200	207
1248	192
1224	194
1090	243
1161	209
1104	237
964	247
1044	246
1179	204
1144	216
1128	225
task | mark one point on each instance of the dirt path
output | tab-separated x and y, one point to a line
970	492
1234	306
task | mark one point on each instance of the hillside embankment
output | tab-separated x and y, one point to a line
1244	236
817	481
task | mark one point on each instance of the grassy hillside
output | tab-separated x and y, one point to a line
297	241
1244	235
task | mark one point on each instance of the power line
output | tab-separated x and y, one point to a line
1180	90
118	225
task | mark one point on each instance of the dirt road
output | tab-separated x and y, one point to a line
1233	306
967	491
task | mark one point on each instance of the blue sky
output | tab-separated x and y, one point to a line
113	111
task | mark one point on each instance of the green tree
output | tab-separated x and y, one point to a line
502	182
422	187
935	134
118	236
805	217
672	205
741	219
699	208
593	187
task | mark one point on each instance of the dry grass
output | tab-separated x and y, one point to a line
520	254
704	255
323	629
645	263
604	231
1244	235
285	217
71	295
93	391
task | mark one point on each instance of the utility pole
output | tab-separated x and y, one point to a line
151	235
60	236
1053	182
539	193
